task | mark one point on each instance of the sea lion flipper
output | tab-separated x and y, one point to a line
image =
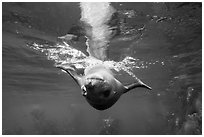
139	83
72	72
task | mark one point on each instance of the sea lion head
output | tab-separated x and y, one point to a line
96	87
99	91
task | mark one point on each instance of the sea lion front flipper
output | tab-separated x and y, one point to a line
72	72
139	83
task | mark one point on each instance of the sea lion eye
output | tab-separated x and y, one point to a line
106	93
84	92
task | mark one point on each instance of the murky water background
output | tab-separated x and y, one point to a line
165	39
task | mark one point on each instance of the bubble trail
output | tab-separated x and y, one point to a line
96	15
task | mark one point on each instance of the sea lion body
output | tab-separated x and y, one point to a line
99	86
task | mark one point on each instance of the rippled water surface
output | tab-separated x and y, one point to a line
159	43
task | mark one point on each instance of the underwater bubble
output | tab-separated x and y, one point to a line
189	93
17	32
177	121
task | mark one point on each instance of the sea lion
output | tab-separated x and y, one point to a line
100	88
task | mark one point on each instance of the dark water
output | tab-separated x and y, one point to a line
40	99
